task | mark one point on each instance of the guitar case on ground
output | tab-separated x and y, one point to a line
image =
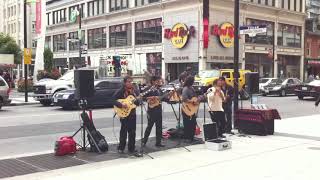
97	136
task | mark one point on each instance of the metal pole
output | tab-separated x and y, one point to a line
25	46
236	56
80	34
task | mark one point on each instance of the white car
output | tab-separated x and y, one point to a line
4	93
265	81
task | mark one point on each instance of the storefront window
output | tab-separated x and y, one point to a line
261	38
120	35
97	38
289	35
75	62
148	31
59	42
154	63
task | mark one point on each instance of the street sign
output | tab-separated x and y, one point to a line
253	30
74	15
27	55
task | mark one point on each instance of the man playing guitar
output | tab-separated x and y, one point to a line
128	124
154	110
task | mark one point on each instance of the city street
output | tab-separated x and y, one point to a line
33	129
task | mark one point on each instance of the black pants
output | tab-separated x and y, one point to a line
128	127
219	118
154	117
228	114
189	125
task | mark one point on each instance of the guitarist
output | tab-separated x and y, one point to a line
155	113
128	124
189	122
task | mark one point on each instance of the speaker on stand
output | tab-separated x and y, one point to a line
84	85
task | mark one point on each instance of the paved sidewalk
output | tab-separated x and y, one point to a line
18	98
291	154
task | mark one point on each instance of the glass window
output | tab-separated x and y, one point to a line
226	74
48	42
59	16
77	7
289	35
118	4
73	41
148	31
97	38
2	83
96	7
59	42
261	38
120	35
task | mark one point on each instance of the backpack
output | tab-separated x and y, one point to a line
100	140
65	145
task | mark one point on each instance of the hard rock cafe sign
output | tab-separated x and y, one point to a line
225	32
179	34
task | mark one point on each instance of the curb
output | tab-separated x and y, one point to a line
23	104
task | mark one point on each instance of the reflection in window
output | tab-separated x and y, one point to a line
77	8
97	38
261	38
148	31
289	35
59	42
120	35
118	4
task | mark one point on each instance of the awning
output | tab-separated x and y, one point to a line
312	61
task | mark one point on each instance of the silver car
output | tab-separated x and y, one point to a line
4	93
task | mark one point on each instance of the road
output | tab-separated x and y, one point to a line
33	129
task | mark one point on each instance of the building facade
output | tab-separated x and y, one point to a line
11	23
313	8
165	37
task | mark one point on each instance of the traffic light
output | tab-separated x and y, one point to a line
116	62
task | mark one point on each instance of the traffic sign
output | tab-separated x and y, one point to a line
27	55
74	15
253	30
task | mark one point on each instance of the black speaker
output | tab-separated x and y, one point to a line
210	131
252	82
84	83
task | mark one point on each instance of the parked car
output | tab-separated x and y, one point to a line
4	93
281	87
171	86
104	89
265	81
311	89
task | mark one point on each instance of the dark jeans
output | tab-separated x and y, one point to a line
219	118
189	124
228	114
154	117
128	127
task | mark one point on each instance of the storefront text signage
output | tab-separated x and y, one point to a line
225	32
180	58
179	34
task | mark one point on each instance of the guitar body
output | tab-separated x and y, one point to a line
124	112
191	108
175	97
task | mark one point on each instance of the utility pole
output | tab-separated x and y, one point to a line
80	34
236	56
25	46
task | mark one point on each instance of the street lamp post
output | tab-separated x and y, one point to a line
236	55
25	46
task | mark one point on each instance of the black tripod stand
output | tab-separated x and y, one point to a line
85	126
142	134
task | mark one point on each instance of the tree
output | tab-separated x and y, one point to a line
48	59
9	46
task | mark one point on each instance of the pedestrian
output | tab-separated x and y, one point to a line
227	104
216	98
147	77
189	122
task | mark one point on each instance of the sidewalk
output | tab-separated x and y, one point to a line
292	153
18	98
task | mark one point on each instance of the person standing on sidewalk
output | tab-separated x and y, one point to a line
216	98
189	123
155	113
227	104
128	124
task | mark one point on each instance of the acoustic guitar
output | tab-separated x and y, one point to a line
190	108
154	101
129	101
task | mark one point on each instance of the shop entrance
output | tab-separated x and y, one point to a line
175	69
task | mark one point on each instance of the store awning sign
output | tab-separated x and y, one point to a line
225	32
179	34
253	30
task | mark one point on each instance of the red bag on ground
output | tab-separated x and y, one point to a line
65	145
